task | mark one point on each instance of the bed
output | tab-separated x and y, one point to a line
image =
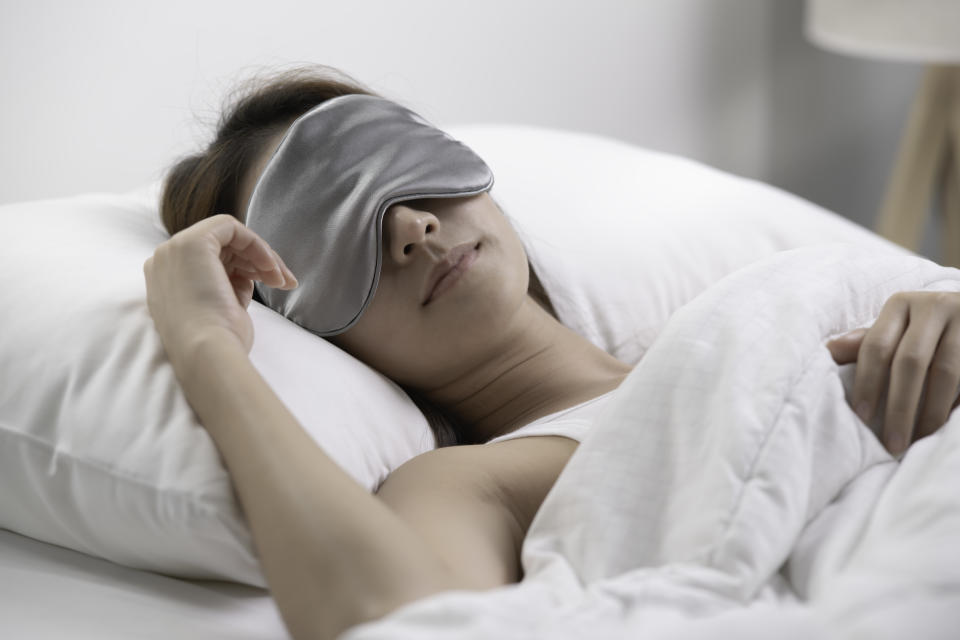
117	519
52	592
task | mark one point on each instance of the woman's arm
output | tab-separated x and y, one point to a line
333	555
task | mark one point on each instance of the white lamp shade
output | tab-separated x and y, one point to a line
925	31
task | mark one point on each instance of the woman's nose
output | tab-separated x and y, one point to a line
407	227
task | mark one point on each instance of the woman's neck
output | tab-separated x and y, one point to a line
540	368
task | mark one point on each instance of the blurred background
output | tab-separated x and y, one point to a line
103	95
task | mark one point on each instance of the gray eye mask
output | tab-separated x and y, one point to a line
321	199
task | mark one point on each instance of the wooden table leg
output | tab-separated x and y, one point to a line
919	162
950	187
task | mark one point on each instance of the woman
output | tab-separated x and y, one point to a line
485	351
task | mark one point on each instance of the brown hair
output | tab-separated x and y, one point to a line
206	183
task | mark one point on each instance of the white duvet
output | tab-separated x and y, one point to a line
728	490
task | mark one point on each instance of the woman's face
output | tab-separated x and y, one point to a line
424	332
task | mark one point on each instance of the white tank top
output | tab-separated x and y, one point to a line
573	422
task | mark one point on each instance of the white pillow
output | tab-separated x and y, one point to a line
99	450
621	237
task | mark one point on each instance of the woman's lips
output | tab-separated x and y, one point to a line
447	273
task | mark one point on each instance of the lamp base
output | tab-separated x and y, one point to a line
928	161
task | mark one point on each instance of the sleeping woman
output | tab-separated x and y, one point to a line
417	273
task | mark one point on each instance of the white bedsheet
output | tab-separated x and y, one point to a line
48	592
728	490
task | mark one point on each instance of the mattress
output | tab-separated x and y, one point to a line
52	592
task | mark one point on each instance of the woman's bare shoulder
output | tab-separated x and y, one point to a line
488	470
474	503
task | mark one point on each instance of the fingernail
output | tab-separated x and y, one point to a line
863	410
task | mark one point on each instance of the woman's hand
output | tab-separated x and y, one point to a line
201	281
914	346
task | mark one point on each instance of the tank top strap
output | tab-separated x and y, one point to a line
572	422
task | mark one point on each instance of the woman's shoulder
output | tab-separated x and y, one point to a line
514	475
474	503
451	498
495	463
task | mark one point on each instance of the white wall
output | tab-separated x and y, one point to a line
836	121
103	95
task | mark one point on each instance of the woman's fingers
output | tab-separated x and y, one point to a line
908	374
234	263
290	280
242	248
876	354
243	288
912	352
943	380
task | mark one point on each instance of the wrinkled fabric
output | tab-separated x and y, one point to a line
729	490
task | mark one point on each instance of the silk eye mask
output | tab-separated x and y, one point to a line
321	199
